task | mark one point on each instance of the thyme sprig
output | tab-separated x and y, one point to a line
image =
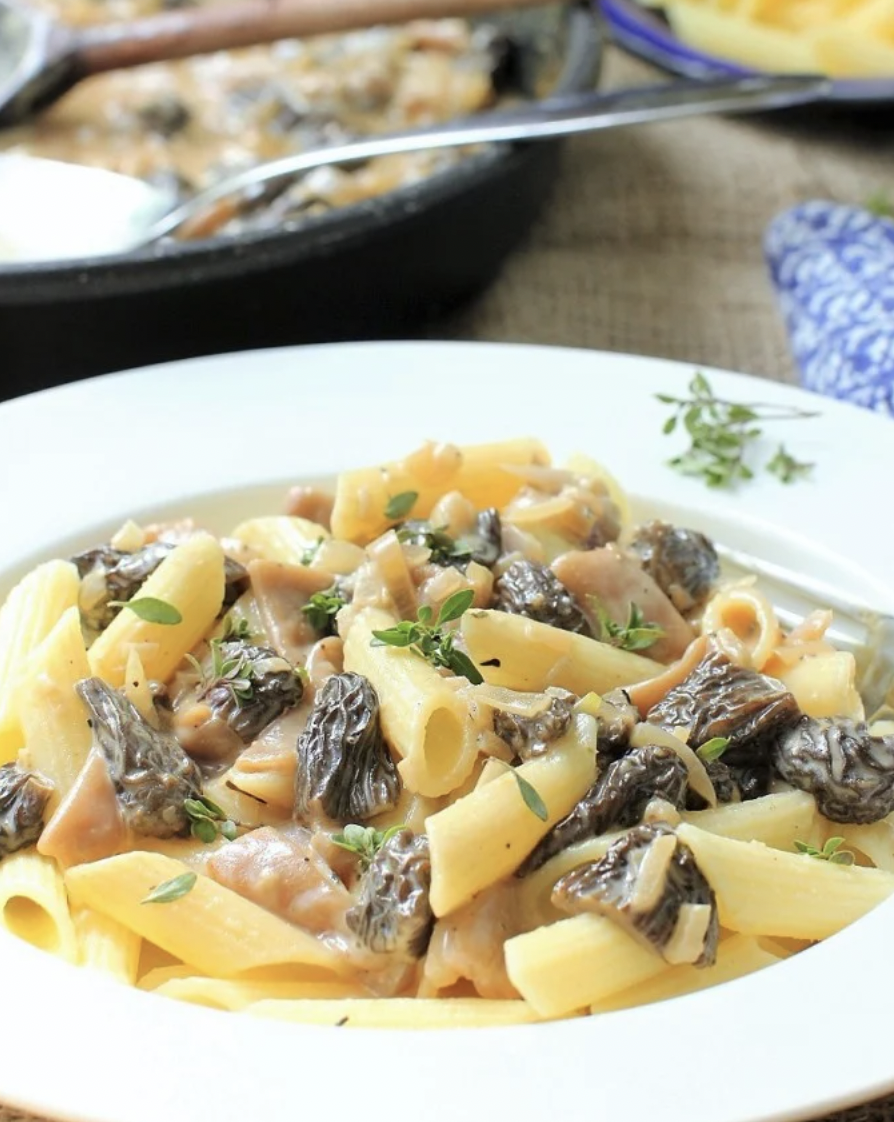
721	433
831	852
364	841
322	609
634	635
712	749
207	820
428	638
170	890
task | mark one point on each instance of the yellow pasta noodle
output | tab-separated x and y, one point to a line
762	891
748	613
411	1013
54	721
523	654
107	946
34	904
423	717
191	579
478	472
235	996
281	538
212	928
137	689
776	820
31	611
483	837
825	685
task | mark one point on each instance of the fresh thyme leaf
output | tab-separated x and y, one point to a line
236	629
399	506
364	841
635	635
171	890
786	467
880	204
431	641
207	820
831	851
322	609
151	610
712	749
531	796
443	548
722	433
203	830
310	552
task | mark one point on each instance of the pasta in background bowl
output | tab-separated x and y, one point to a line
509	801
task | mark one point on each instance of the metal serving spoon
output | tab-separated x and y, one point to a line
41	58
51	210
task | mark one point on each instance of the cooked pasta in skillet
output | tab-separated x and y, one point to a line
459	745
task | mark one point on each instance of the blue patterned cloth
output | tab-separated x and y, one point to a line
833	269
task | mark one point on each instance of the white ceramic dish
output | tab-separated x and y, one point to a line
794	1041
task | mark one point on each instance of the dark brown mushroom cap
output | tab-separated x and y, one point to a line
533	590
720	699
528	737
644	883
266	686
393	914
151	773
23	800
345	770
123	573
683	563
849	772
618	798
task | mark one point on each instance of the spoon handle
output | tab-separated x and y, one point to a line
195	31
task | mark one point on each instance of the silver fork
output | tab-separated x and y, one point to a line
858	628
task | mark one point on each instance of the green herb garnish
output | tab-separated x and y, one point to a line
634	635
399	506
151	610
532	798
171	890
310	552
786	467
831	852
207	820
444	549
236	629
430	641
880	204
322	608
720	432
364	841
712	749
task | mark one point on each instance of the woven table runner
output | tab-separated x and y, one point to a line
652	245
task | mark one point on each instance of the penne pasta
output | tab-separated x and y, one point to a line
523	654
409	1013
107	946
280	538
825	685
235	996
191	579
34	904
31	611
749	615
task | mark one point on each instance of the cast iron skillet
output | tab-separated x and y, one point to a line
377	269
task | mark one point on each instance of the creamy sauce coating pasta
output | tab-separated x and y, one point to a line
457	745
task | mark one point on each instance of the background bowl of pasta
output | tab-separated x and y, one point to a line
705	39
445	799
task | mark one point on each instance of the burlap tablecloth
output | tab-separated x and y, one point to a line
652	245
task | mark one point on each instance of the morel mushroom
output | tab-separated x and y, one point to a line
531	736
248	686
721	699
618	798
110	575
345	769
393	914
23	799
485	542
683	563
151	773
650	884
617	718
849	771
533	590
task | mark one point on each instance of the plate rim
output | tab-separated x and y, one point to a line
169	1031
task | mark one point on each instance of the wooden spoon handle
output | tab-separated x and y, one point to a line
196	31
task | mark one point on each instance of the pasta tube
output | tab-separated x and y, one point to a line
825	685
107	946
211	928
776	820
191	579
54	721
235	996
400	1012
485	835
748	613
577	962
478	472
34	906
281	539
30	613
522	654
762	891
423	718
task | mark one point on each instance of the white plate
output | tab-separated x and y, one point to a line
794	1041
